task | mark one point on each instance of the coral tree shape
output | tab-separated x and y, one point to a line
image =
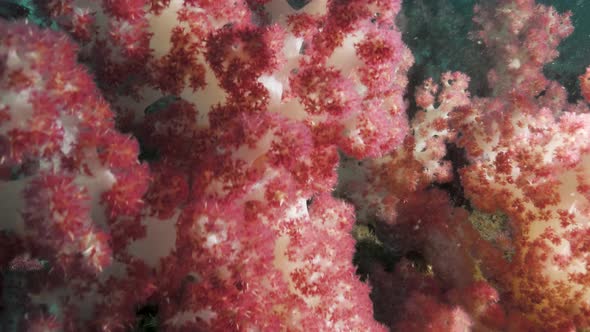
237	230
70	181
528	150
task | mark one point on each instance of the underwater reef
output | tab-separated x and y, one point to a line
285	165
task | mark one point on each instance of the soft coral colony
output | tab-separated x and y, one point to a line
224	219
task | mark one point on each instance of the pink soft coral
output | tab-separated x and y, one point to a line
227	239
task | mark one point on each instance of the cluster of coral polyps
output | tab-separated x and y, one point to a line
224	220
234	228
525	160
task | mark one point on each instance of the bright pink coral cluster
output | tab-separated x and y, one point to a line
528	157
237	229
525	160
244	111
77	175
